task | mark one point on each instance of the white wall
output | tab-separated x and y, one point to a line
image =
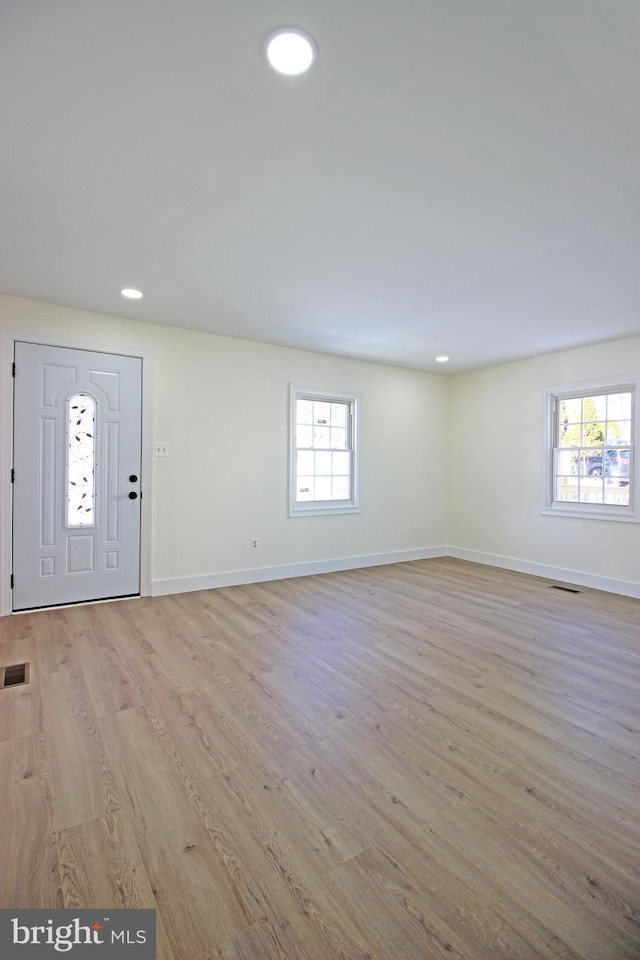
495	490
445	460
222	405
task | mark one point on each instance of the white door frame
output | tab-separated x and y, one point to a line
6	447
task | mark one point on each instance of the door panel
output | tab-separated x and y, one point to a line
77	441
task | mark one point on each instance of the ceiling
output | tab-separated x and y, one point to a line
453	176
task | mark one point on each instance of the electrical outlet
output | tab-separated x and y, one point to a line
254	543
161	449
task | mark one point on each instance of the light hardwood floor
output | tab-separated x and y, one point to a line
426	760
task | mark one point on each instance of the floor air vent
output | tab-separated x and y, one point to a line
14	675
555	586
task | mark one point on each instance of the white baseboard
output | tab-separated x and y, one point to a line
232	578
626	587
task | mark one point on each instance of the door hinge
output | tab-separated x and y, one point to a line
12	581
13	475
13	369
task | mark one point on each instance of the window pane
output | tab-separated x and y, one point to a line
80	461
323	488
305	463
338	438
567	463
321	437
304	489
570	423
339	415
620	432
619	469
593	429
340	488
572	409
589	410
321	413
341	464
566	485
597	433
591	490
619	406
616	494
304	437
304	411
582	465
323	464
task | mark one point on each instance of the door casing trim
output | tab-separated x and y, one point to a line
9	338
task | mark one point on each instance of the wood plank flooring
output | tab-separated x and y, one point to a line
421	761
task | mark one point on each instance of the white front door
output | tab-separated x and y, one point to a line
76	490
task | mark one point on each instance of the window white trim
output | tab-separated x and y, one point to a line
553	396
318	508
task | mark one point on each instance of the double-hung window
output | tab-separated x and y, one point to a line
323	452
592	433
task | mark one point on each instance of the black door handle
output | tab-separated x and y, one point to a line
133	495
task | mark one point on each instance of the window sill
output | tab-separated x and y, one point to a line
319	510
597	512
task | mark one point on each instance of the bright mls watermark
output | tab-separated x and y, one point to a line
80	934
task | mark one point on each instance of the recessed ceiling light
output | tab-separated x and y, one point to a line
290	51
442	359
131	293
